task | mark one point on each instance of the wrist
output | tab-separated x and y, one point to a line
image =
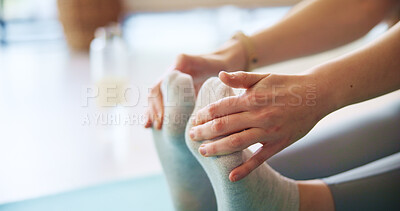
233	54
324	92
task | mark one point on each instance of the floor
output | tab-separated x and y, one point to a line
123	195
45	145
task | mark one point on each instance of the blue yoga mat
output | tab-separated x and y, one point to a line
142	194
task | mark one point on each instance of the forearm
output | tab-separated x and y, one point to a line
363	74
318	25
310	27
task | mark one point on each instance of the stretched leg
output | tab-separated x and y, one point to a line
346	143
375	186
263	189
189	185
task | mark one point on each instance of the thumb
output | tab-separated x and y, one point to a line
241	79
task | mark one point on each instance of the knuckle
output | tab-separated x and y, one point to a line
241	74
235	142
249	96
198	133
182	57
198	118
252	98
243	100
212	149
217	125
232	101
183	62
258	160
154	92
211	110
247	168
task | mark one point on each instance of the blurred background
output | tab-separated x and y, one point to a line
54	136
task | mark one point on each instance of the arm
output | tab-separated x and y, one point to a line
325	24
363	74
314	26
274	111
317	26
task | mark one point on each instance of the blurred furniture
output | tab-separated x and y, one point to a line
24	21
173	5
80	18
2	24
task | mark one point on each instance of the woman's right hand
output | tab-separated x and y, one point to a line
200	67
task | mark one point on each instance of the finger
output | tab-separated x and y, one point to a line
150	113
240	79
259	157
155	99
222	126
148	121
233	143
159	112
189	64
152	116
223	107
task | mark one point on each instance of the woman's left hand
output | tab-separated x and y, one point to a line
275	110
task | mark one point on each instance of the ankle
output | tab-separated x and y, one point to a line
315	195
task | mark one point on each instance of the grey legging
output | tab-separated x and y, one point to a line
358	157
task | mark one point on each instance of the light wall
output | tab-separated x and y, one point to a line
168	5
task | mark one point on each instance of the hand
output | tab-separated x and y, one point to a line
200	68
229	57
275	110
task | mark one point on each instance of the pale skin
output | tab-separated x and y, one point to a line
270	112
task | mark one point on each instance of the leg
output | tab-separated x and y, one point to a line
336	146
375	186
189	185
262	189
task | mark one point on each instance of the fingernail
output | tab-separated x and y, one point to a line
235	177
191	134
203	150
